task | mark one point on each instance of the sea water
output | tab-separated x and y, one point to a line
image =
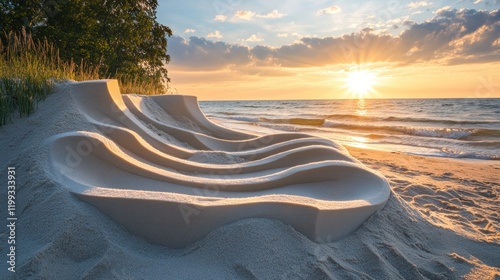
459	128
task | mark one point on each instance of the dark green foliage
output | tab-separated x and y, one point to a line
121	38
46	40
5	104
21	94
28	69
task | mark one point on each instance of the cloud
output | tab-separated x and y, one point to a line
451	37
249	15
273	14
253	38
245	15
189	30
330	10
220	18
445	8
215	34
419	4
202	54
312	52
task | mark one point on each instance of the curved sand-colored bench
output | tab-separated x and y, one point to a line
102	103
185	107
129	173
204	142
133	143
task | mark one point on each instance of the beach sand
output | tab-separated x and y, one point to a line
441	222
462	195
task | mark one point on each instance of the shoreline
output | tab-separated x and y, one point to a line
462	195
259	130
358	150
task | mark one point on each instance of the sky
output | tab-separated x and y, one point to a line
316	49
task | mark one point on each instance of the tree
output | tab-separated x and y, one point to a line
121	37
15	14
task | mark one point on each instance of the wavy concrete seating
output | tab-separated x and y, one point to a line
185	107
153	188
102	103
201	141
136	145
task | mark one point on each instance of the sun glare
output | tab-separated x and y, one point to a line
360	82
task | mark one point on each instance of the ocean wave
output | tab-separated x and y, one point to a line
448	152
229	113
467	128
457	146
245	119
451	133
296	121
436	132
438	121
252	106
485	144
321	120
407	119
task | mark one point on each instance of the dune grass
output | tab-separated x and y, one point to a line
131	84
29	69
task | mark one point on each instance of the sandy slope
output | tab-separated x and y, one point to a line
462	195
440	223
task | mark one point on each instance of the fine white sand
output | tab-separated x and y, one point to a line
441	222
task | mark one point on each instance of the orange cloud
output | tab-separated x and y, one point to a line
452	37
329	10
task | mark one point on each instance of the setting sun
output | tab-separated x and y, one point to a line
360	82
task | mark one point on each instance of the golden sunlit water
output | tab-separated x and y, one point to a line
465	128
361	108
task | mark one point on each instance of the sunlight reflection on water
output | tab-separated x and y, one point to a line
359	141
361	110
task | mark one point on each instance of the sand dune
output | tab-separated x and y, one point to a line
440	223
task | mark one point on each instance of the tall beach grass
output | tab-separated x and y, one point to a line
132	84
29	69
